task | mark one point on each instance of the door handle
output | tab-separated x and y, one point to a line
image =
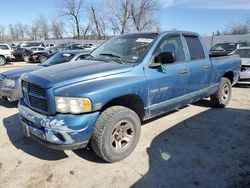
206	67
184	71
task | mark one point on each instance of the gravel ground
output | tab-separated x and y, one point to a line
197	146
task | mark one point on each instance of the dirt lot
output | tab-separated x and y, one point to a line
197	146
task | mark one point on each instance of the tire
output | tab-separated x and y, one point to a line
2	60
26	59
116	133
222	97
42	59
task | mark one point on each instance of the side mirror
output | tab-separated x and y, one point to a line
165	58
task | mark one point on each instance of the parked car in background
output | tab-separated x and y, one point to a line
40	57
30	44
222	49
128	79
244	53
89	46
49	45
10	83
33	50
19	53
6	53
36	49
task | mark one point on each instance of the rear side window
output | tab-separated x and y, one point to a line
195	48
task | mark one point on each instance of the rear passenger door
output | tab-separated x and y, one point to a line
200	67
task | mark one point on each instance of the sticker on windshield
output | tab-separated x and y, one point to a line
145	40
67	55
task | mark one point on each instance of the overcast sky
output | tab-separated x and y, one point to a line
203	16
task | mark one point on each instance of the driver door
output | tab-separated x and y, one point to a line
168	84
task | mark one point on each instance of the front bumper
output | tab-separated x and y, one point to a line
62	131
244	77
12	94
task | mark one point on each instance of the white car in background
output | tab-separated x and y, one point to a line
36	49
244	53
5	53
49	45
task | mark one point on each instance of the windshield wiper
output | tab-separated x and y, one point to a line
116	58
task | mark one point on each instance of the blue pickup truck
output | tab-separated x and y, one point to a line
128	79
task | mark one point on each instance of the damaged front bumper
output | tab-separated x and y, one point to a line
62	131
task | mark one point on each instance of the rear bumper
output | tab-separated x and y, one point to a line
61	132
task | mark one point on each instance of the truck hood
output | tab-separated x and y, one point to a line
245	61
69	73
13	74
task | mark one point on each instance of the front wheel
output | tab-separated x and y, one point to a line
222	97
26	59
2	61
42	59
116	133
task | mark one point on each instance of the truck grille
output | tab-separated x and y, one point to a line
1	80
35	97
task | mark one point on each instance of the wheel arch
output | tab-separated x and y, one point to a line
229	75
133	102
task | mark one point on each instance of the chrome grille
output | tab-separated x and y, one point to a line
35	97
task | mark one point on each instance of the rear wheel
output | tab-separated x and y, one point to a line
2	60
116	133
222	97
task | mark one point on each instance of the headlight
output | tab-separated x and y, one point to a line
72	105
9	83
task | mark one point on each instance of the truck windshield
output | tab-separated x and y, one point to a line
58	58
128	48
243	53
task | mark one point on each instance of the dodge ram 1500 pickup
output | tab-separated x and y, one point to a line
128	79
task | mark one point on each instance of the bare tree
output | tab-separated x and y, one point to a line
22	30
72	9
142	13
34	31
96	22
85	31
119	17
43	24
13	32
2	32
237	29
99	23
57	29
